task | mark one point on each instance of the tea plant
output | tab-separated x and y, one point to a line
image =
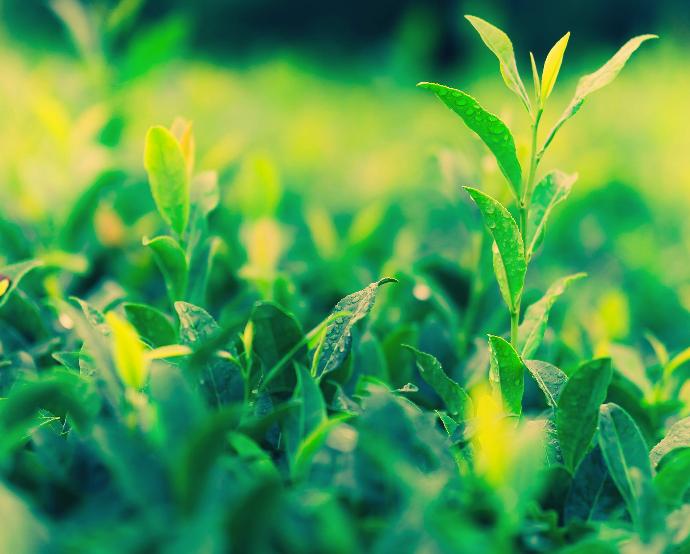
577	401
168	383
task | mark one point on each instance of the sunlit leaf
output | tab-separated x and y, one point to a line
499	43
166	166
552	65
128	352
594	81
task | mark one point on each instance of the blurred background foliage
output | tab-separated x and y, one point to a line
309	113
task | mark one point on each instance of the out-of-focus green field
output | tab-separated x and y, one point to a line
365	138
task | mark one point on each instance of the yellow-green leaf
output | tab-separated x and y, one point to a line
552	65
166	166
128	352
594	81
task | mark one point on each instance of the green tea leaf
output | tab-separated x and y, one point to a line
93	315
196	324
506	374
313	442
578	409
12	274
128	352
153	326
592	495
278	339
493	132
673	481
550	191
552	65
167	170
338	339
678	436
536	317
510	251
499	43
626	456
535	76
455	398
172	262
310	414
594	81
549	379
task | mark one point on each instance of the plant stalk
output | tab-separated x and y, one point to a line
524	205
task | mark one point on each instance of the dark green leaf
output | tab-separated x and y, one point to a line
592	495
493	132
196	324
153	326
625	453
673	481
12	274
578	409
455	398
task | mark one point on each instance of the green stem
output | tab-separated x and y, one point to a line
514	325
524	206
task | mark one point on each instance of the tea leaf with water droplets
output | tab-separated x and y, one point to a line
550	191
506	374
594	81
678	436
510	251
453	395
533	326
493	132
196	324
578	409
499	43
549	378
338	338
